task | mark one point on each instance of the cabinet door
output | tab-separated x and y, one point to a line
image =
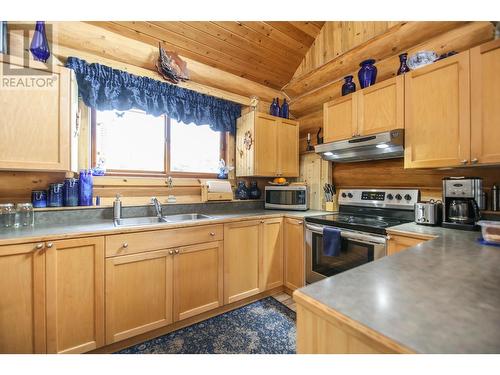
22	299
485	99
266	152
288	148
381	107
340	119
294	253
437	114
241	260
75	295
198	279
35	121
245	155
138	294
272	254
400	243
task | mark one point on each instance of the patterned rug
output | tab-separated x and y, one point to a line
263	327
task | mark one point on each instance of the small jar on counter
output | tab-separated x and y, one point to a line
25	215
7	215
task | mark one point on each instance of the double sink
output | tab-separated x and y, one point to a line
150	220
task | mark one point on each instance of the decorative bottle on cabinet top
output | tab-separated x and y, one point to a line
272	107
349	86
367	75
403	68
284	109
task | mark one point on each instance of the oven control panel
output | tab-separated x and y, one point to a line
387	198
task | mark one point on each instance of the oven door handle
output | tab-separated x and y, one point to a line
349	235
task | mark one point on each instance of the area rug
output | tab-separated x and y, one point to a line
263	327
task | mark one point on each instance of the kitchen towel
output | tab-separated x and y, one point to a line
332	242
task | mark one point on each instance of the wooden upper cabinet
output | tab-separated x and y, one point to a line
241	260
272	254
381	107
340	118
266	150
138	293
75	295
294	253
437	114
267	146
198	279
22	299
36	123
485	103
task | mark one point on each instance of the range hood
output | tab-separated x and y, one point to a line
386	145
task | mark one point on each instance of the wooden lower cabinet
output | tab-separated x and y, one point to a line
139	293
22	299
399	242
294	255
272	254
198	279
241	260
75	295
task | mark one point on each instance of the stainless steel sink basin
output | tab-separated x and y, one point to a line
186	217
132	221
150	220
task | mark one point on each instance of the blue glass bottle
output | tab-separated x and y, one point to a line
367	74
254	191
284	109
277	108
272	107
349	86
86	186
39	44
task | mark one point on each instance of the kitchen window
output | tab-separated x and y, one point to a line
135	143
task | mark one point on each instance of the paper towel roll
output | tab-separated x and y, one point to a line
217	186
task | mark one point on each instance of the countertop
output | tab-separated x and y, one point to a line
441	296
55	231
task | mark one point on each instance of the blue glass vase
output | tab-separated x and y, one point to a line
85	188
403	68
39	44
284	112
367	74
241	191
349	86
254	191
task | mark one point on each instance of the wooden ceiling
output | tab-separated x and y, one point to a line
265	52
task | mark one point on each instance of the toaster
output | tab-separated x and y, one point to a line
428	213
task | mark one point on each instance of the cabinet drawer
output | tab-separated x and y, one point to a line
122	244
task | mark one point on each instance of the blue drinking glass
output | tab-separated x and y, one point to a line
39	44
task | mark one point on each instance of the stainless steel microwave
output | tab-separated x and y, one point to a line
286	198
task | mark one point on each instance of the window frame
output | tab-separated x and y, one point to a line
166	172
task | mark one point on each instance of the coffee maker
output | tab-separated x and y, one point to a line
462	197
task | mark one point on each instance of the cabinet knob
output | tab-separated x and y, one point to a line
176	251
474	161
212	234
300	222
464	161
50	245
125	245
388	237
262	221
171	252
39	246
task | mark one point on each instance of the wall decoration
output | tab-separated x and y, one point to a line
39	44
171	67
247	141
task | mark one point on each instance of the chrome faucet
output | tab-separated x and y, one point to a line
157	205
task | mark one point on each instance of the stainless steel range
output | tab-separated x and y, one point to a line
364	215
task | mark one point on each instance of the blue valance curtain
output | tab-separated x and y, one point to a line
104	88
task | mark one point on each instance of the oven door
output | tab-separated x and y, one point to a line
357	249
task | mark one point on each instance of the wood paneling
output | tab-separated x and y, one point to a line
315	172
390	173
252	55
458	39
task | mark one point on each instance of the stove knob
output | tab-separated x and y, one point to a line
408	197
349	195
344	195
399	197
390	197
